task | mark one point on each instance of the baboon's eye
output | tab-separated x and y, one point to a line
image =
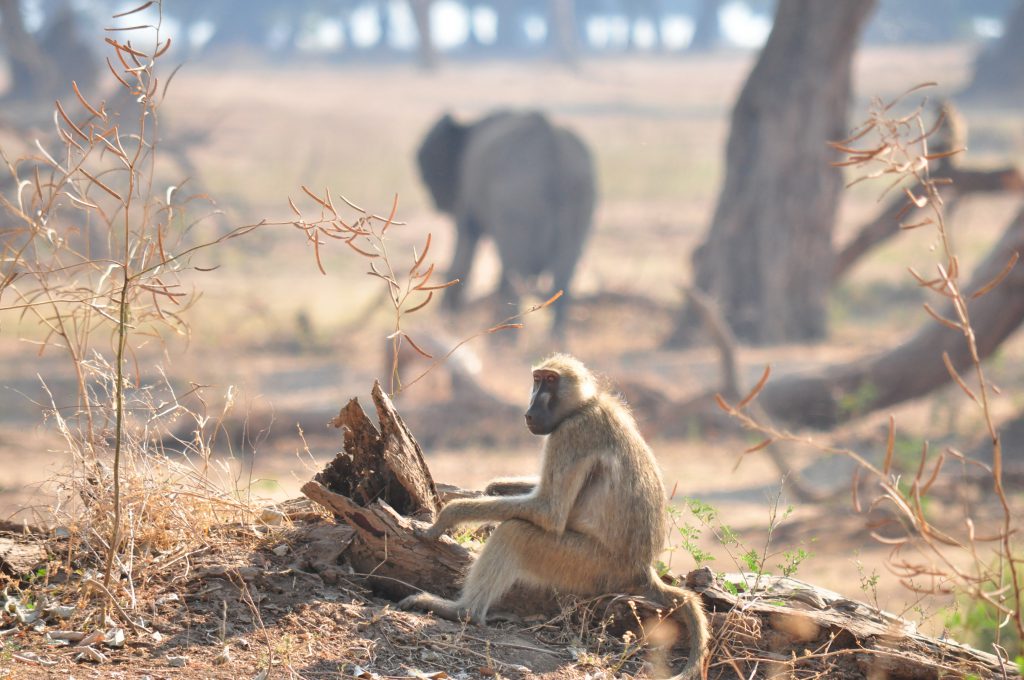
550	378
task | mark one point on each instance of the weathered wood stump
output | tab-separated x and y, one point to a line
379	485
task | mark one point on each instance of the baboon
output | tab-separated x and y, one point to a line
593	521
520	180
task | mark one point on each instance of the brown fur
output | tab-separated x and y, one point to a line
592	524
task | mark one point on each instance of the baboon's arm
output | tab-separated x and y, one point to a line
511	486
548	507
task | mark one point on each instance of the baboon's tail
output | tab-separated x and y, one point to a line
685	605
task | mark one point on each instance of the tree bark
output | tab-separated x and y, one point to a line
33	72
426	50
706	32
767	259
385	464
840	393
999	68
562	30
386	547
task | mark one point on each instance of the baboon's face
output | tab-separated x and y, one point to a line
541	416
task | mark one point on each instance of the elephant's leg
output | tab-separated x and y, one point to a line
462	262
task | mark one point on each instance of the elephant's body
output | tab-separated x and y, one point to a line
520	180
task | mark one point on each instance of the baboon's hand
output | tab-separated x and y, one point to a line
433	532
442	523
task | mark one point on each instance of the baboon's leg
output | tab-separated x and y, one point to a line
521	551
570	561
467	236
491	575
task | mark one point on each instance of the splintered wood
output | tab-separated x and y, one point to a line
379	485
383	465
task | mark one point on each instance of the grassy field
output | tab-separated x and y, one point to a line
295	341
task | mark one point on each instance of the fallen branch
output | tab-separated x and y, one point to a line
887	223
839	393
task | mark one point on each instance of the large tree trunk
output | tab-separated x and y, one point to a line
426	50
999	68
706	32
916	367
562	30
33	73
767	259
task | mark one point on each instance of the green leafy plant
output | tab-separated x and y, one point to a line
868	582
747	559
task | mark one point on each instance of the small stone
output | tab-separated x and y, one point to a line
224	656
91	654
272	517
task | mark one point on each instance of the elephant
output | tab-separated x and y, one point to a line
527	184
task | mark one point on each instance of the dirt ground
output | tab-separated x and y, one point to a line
296	345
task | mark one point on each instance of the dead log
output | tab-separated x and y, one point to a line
887	224
386	548
380	486
779	618
839	393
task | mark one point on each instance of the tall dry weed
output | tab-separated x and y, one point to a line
94	260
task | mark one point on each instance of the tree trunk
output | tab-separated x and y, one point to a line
999	68
562	31
916	367
706	32
767	259
33	73
426	49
